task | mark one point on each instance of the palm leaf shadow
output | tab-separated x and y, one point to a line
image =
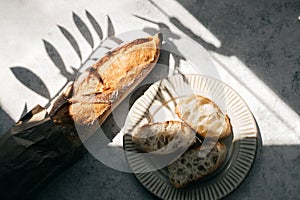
71	40
25	110
36	84
111	31
95	24
110	28
57	60
31	81
83	29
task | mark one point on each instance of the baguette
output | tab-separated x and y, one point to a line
100	88
203	116
163	137
191	167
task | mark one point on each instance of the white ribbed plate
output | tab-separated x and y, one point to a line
156	105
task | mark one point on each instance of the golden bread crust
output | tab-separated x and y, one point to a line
99	89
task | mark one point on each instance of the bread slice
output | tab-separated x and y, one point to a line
163	137
191	166
99	89
203	116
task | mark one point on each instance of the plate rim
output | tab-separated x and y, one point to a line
254	151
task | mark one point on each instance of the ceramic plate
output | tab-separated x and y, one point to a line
157	105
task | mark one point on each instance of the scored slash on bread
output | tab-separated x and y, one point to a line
163	137
100	88
114	75
203	116
191	167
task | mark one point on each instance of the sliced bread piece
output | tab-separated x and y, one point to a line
203	116
163	137
191	166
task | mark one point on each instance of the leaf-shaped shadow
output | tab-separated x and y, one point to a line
85	32
110	27
57	60
31	80
71	40
111	31
94	24
25	111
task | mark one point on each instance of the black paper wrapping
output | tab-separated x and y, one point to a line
32	152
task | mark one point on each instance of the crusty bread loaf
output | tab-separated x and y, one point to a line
191	166
163	137
203	116
99	89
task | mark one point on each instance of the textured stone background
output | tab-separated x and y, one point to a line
263	34
255	45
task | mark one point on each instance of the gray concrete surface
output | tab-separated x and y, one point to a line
255	47
263	34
